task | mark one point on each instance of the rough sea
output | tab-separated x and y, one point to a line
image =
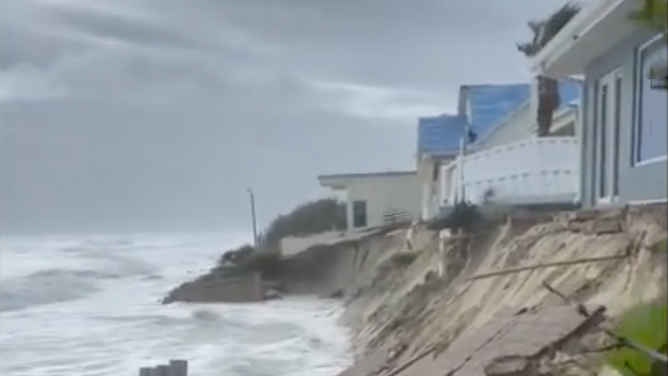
90	307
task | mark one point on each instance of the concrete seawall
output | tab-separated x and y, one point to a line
330	264
242	288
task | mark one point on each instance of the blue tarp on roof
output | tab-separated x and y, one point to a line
488	104
440	134
491	103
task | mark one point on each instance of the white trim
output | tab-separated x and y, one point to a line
638	81
608	200
647	202
586	19
606	174
650	161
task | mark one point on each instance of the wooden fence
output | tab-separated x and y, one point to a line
175	367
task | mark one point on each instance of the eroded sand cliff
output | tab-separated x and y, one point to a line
399	310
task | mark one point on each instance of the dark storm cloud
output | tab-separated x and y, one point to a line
155	115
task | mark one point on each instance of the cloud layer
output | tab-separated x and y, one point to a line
155	115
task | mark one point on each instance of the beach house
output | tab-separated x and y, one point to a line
624	108
376	198
439	137
503	161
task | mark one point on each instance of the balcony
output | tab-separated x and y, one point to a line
532	171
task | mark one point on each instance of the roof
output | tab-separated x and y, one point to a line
339	181
440	134
598	26
569	93
488	104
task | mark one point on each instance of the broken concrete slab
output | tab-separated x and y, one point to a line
530	335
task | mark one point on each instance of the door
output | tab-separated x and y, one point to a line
606	169
359	214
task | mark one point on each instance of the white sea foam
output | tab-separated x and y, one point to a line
90	308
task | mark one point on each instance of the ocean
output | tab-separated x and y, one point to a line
90	307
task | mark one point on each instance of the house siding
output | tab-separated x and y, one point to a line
635	183
384	193
430	188
516	127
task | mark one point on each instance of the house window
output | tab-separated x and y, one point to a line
602	142
617	134
359	214
652	113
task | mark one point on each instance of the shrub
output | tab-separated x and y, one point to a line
306	219
644	324
464	216
260	261
235	256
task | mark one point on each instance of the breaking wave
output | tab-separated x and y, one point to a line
90	307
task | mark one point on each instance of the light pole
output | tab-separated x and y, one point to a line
251	197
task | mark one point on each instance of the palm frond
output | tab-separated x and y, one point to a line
557	20
545	29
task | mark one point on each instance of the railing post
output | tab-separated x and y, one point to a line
460	183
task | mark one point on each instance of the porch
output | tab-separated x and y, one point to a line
536	170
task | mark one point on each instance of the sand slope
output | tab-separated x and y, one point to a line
402	310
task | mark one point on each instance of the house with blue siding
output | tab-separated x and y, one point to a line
624	111
438	142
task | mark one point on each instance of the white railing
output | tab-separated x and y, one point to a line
534	170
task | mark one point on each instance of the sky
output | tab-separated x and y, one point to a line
157	115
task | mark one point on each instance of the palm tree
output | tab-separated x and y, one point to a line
548	88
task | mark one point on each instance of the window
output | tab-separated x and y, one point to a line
602	142
359	214
616	137
652	109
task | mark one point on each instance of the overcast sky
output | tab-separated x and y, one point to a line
155	115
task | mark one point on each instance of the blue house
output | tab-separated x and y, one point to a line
624	114
498	125
438	142
479	108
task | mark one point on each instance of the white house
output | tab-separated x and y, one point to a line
373	199
624	113
504	161
479	108
521	123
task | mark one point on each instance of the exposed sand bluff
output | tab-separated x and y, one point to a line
397	313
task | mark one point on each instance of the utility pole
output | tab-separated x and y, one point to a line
251	197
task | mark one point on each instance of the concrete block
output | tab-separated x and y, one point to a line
162	370
178	367
147	371
601	226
